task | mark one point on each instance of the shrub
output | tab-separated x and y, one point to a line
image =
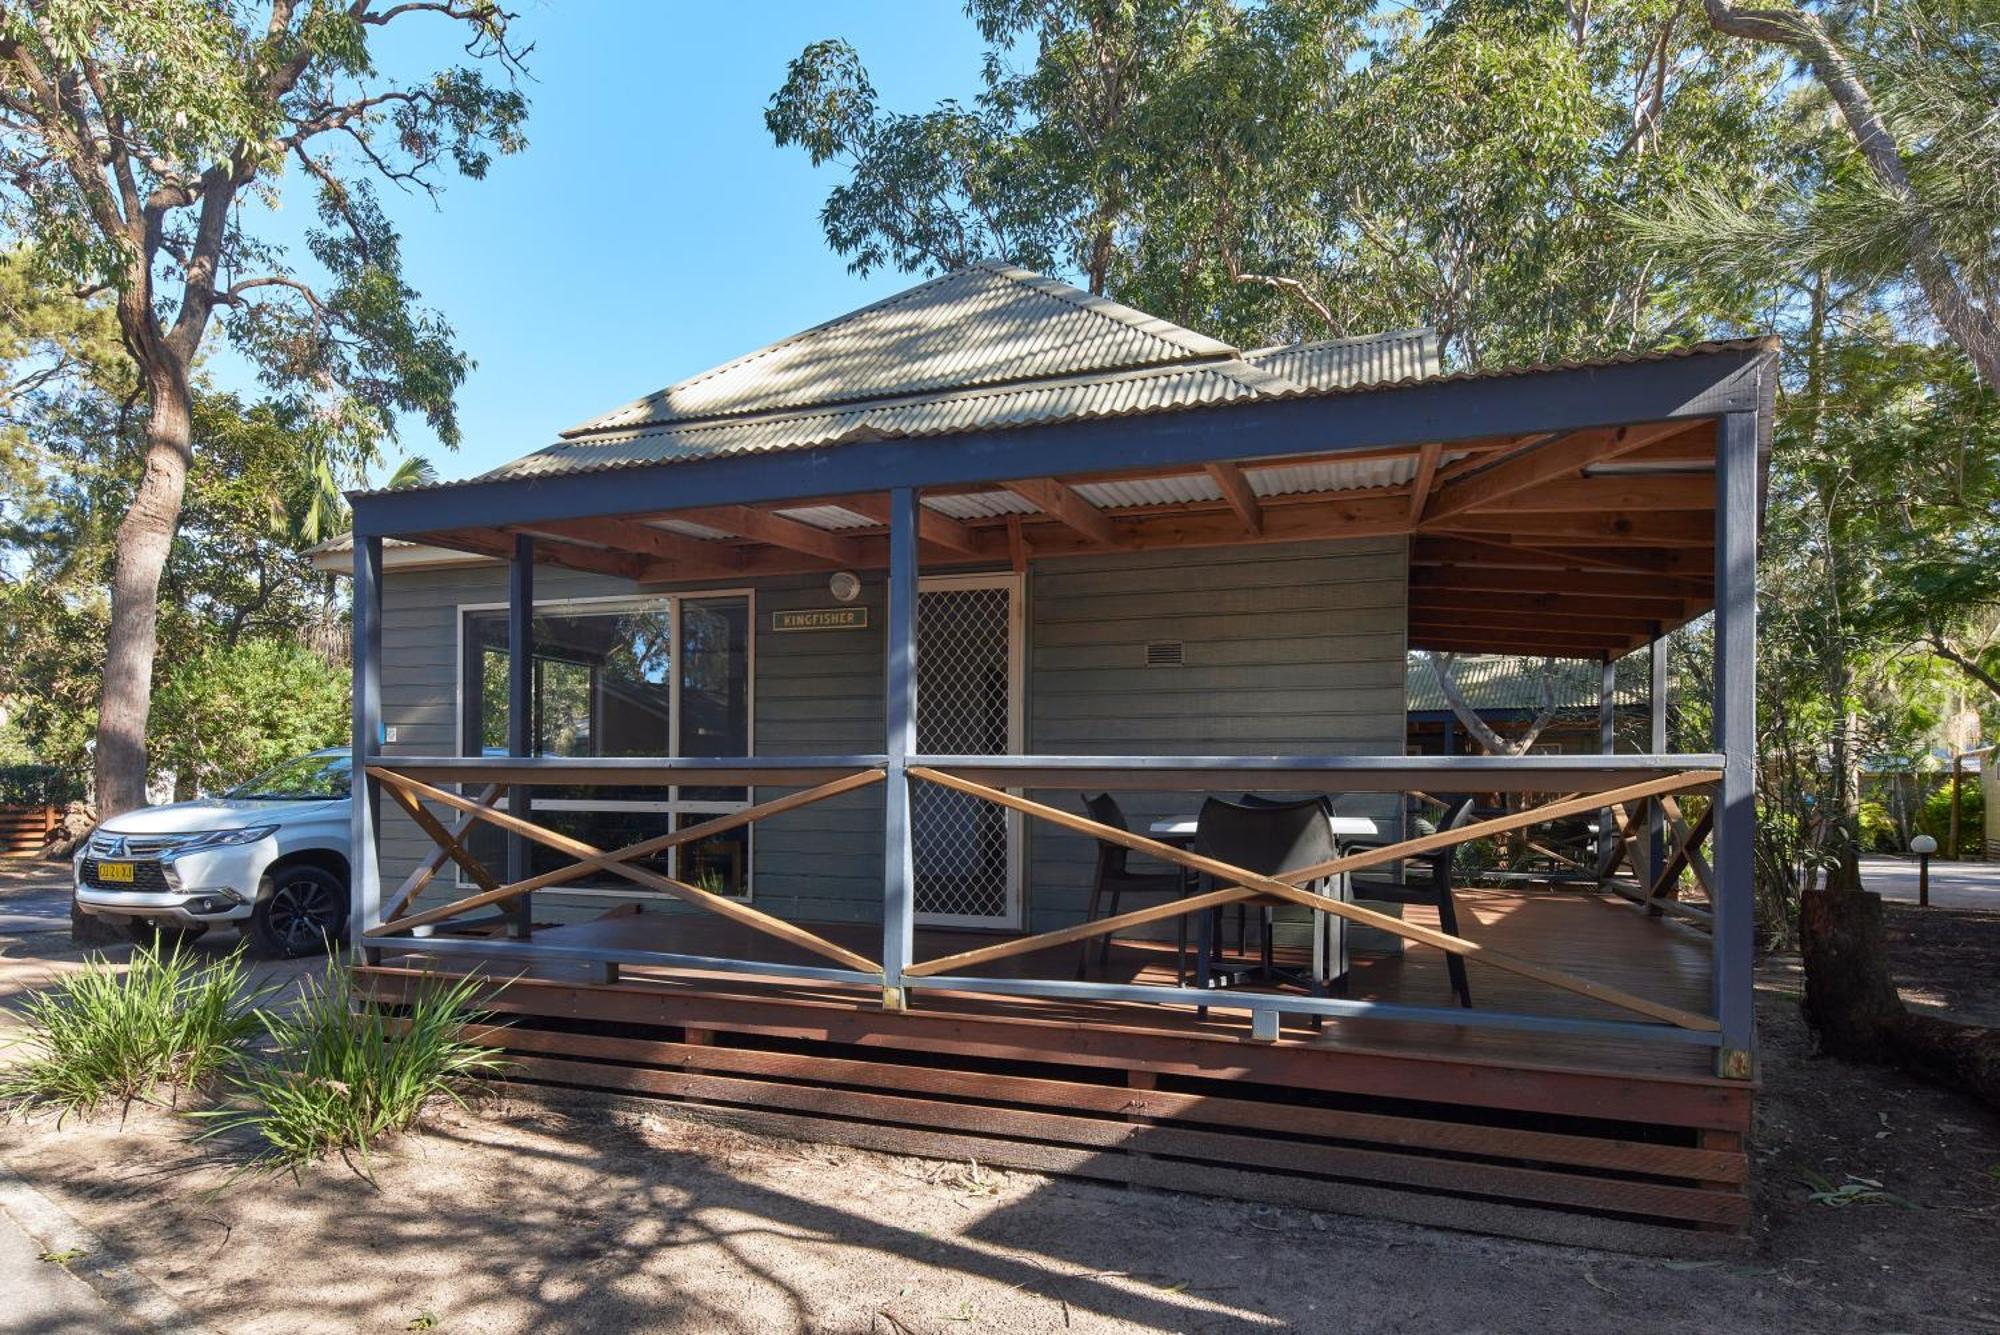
39	786
231	713
105	1035
1934	819
342	1073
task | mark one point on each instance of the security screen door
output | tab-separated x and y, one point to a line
967	852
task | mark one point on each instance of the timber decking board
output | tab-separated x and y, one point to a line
1719	1166
1692	1101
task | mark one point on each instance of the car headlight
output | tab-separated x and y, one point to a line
249	834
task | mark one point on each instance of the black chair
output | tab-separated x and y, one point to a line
1116	880
1432	888
1267	838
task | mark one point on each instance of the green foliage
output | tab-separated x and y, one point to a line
1934	819
1307	167
236	710
38	786
1879	832
109	1035
343	1073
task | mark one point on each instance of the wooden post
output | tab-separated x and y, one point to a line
900	711
520	717
1957	777
1735	924
365	815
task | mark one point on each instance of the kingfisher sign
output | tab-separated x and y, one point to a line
821	618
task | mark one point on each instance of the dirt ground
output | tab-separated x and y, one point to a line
521	1218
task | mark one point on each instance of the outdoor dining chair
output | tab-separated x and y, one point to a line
1433	888
1115	879
1266	838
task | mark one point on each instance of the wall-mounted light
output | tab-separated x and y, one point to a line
845	586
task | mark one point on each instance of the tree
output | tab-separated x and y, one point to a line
1306	168
135	140
1546	708
238	709
1915	84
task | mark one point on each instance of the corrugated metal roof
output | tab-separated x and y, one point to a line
1071	399
1334	363
987	348
1510	682
989	324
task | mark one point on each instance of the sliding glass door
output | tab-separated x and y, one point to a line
663	676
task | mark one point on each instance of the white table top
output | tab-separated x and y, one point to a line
1352	827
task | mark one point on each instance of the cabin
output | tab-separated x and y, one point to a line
1510	693
753	741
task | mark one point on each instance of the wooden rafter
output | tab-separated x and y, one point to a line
1431	616
1619	491
1527	644
1619	528
498	544
1237	492
1496	549
1425	479
1561	457
696	554
1542	610
940	530
1062	503
1603	585
777	530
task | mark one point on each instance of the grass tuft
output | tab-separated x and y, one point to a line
109	1035
342	1073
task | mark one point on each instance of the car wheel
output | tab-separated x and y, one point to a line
305	911
168	937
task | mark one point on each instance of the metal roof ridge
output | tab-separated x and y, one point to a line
1346	341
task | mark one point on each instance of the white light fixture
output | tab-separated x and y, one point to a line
845	586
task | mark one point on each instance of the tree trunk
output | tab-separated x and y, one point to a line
1852	1004
145	537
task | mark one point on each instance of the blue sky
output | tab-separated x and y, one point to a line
651	229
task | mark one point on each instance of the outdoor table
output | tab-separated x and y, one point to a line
1180	831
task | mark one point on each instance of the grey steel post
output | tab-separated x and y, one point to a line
365	876
898	865
1736	737
1607	744
520	718
1656	705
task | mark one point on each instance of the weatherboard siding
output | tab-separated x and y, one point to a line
1286	649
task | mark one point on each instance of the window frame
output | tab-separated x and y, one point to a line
673	804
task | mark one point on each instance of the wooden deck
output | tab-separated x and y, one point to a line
1562	1138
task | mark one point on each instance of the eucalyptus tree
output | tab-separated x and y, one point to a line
1915	85
1305	168
140	141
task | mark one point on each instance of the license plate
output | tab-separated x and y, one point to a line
115	871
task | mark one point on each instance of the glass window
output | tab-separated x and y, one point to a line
605	683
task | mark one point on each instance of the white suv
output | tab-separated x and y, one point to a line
269	856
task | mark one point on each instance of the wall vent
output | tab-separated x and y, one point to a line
1163	653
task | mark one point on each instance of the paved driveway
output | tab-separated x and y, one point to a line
1957	885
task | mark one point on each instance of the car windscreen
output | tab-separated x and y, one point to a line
307	779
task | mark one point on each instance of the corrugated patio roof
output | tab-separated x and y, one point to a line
1508	682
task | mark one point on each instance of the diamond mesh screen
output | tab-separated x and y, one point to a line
959	842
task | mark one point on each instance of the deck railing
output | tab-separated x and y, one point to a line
1624	785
